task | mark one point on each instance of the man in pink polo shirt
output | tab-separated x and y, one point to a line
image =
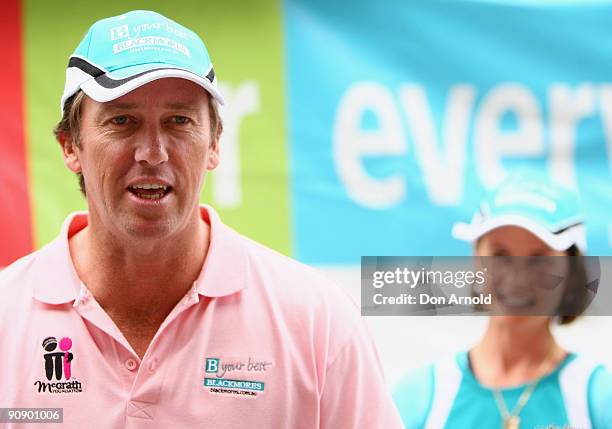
147	311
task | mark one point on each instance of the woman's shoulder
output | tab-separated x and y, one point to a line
416	380
413	396
583	374
600	397
601	380
414	392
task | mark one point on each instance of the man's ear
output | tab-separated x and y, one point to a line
213	155
69	152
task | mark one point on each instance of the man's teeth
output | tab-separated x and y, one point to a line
151	197
150	186
149	191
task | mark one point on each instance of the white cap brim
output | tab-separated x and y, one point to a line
103	94
104	86
574	235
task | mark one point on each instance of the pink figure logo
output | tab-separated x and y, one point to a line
65	344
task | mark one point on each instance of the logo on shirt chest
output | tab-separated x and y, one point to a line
240	377
57	364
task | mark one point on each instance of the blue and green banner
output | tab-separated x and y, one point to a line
402	115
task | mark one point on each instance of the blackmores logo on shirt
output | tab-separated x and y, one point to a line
227	376
58	367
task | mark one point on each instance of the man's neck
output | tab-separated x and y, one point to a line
127	276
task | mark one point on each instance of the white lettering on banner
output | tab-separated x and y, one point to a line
240	101
443	170
567	107
443	163
605	93
350	143
491	143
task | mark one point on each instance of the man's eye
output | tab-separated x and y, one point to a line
181	120
120	120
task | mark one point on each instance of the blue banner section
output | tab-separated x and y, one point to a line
403	113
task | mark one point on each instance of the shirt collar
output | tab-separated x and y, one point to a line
225	269
55	279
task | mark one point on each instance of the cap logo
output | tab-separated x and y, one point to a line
149	42
121	32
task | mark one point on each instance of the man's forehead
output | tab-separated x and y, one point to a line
167	93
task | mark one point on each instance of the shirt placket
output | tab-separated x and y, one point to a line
143	378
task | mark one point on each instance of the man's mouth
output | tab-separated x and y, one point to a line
150	191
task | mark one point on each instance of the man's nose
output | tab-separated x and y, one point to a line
151	147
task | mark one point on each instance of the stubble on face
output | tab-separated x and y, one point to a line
160	134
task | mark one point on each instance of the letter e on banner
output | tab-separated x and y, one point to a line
351	142
492	144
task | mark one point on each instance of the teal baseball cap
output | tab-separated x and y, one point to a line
122	53
534	202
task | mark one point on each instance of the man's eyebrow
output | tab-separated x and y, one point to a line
112	105
182	106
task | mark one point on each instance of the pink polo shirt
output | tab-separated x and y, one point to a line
260	341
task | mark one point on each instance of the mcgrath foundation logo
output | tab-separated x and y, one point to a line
58	367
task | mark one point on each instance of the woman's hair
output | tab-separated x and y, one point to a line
576	296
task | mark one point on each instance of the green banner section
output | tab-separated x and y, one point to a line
250	189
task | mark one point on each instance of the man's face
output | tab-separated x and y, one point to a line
144	157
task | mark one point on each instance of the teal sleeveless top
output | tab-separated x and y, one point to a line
446	394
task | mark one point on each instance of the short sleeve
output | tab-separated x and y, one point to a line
413	397
354	394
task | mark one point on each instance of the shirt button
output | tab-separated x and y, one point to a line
131	364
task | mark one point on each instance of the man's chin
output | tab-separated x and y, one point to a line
147	229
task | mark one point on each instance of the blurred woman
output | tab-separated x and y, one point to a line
518	376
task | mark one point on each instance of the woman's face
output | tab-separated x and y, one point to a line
522	274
